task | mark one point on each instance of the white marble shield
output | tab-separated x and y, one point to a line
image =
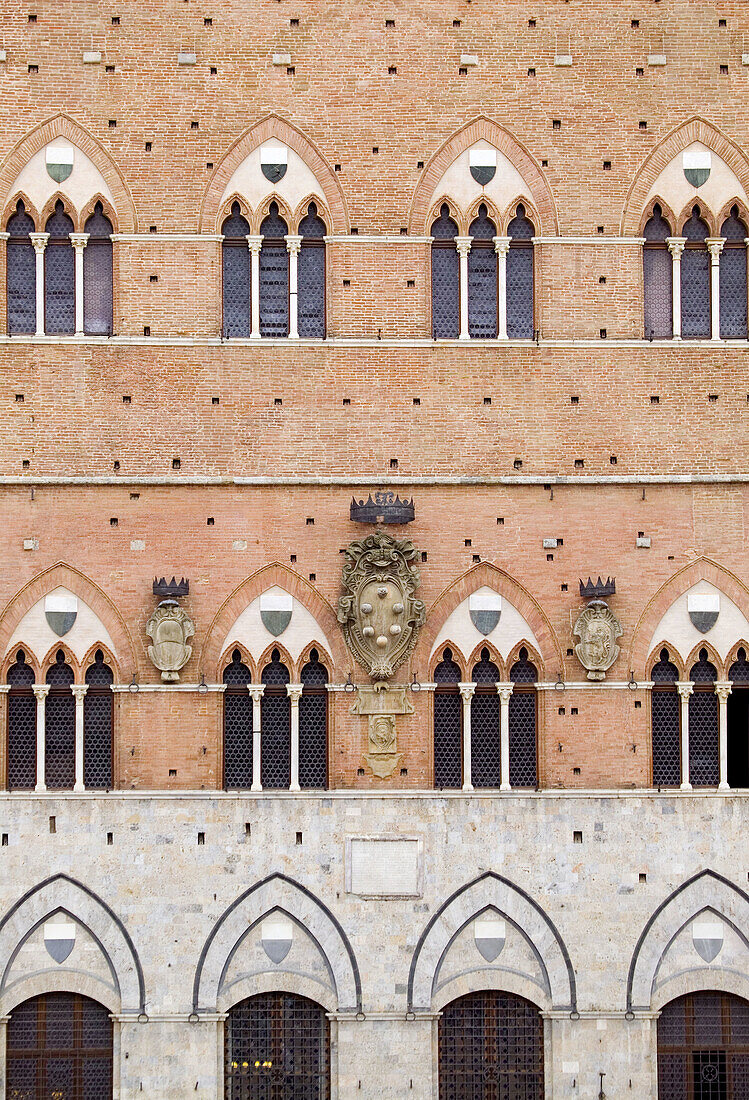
703	608
59	939
483	165
275	611
59	160
489	935
277	937
274	159
697	164
60	611
707	939
485	609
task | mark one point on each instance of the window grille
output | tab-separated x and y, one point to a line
733	278
235	263
448	724
491	1046
21	726
313	725
445	278
311	275
21	273
98	280
482	277
520	283
237	725
657	278
277	1046
59	1045
59	726
523	721
695	280
274	276
275	726
485	754
704	745
665	721
703	1048
98	720
59	274
739	670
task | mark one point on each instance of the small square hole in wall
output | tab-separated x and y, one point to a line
209	164
404	771
424	555
476	558
292	559
299	838
607	166
639	72
722	23
153	229
215	400
411	283
602	280
214	70
19	398
531	72
112	123
115	20
347	282
544	163
278	400
149	146
109	68
462	71
417	400
570	652
210	521
518	464
556	124
712	398
389	22
655	399
32	18
456	22
638	704
172	773
550	557
337	167
599	230
313	576
724	70
574	710
347	401
360	771
293	22
642	877
531	23
635	23
194	125
392	70
467	542
612	460
115	466
603	333
146	330
135	496
113	521
393	463
310	521
500	521
642	124
201	838
562	710
25	464
33	68
574	400
576	771
419	163
110	838
153	278
375	149
577	836
291	70
565	587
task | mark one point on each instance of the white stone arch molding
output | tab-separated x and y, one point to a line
707	892
61	895
491	891
277	893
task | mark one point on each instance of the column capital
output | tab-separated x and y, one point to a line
502	245
79	690
504	690
4	237
467	690
463	245
676	245
293	242
79	240
294	692
723	689
254	241
715	246
41	691
256	691
684	688
39	241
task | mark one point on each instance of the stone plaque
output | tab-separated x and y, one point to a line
384	867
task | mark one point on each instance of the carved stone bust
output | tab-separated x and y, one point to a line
597	628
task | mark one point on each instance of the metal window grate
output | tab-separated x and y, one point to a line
98	720
311	275
277	1046
275	726
21	726
739	670
485	752
235	261
98	279
491	1048
658	279
445	278
59	1045
274	276
520	277
523	723
59	274
704	752
695	280
665	723
21	273
733	278
448	726
313	725
703	1048
237	725
482	278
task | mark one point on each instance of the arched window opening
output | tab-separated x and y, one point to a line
482	277
21	753
237	725
59	726
703	1047
59	274
448	724
738	722
491	1044
277	1045
98	722
704	750
274	275
59	1045
98	278
313	725
485	751
275	726
445	277
235	266
311	275
733	278
21	273
695	280
665	722
657	265
523	723
520	281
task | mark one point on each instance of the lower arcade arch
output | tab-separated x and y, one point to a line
703	1047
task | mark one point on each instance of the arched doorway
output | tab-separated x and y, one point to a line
491	1046
277	1047
59	1045
703	1048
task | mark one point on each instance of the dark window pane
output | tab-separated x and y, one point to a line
237	725
520	293
485	758
666	731
311	288
658	279
522	718
445	292
274	290
448	741
21	741
695	294
703	739
733	291
59	733
21	277
482	292
275	726
235	260
59	275
97	288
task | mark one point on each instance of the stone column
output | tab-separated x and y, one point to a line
293	246
256	691
463	245
40	691
504	691
723	690
79	241
466	692
294	692
685	689
254	243
715	247
39	241
676	247
502	247
79	691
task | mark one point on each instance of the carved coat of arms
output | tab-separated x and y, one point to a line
170	629
597	628
379	615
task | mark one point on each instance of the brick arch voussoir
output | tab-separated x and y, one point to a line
61	125
551	654
247	591
702	569
695	129
63	575
274	127
485	129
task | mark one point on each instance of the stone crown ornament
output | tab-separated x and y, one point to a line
597	628
379	615
170	629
